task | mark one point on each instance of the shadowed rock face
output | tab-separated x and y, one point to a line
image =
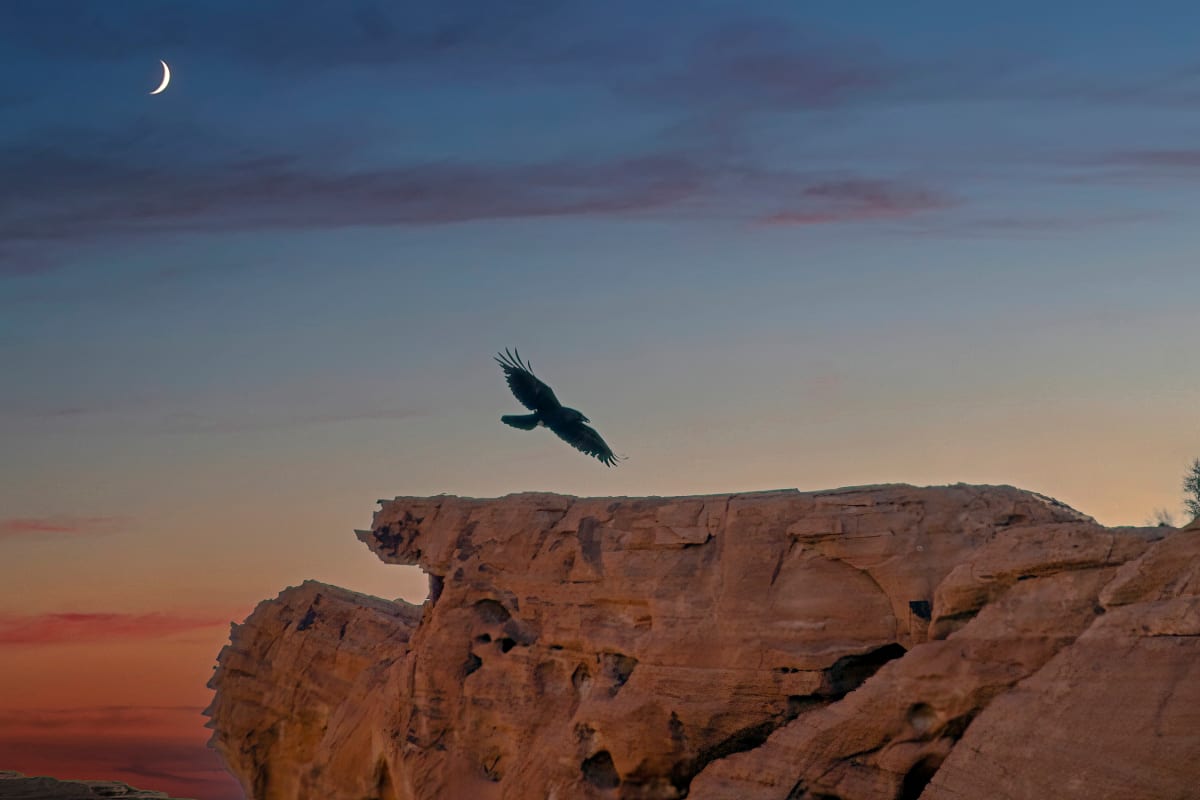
15	786
863	643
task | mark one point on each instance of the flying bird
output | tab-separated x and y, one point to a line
539	398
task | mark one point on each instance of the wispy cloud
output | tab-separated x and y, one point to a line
98	718
1183	158
858	201
85	186
265	193
53	526
187	422
1175	86
264	411
1030	225
71	197
766	65
708	85
18	629
1132	166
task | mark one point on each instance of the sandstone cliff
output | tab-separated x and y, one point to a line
863	643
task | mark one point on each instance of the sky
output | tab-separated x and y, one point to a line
760	244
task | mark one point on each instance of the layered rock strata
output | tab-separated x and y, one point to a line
862	643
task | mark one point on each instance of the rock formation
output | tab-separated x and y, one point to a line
863	643
15	786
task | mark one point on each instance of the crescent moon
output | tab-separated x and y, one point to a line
166	78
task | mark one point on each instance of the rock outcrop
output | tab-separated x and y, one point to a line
864	643
15	786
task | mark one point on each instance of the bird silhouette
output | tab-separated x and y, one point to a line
566	423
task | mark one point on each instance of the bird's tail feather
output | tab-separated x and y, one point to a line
525	422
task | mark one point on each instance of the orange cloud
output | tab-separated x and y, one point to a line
75	627
856	200
14	527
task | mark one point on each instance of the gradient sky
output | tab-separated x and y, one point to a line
761	244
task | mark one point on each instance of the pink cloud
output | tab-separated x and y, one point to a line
18	629
284	193
292	192
14	527
857	200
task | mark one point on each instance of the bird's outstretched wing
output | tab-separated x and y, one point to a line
585	439
529	391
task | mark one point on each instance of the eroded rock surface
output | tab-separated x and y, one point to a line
863	643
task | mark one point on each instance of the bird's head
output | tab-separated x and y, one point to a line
575	414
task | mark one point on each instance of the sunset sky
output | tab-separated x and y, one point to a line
761	244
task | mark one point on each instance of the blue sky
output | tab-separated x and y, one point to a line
336	213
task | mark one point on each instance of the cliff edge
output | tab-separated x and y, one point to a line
858	644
